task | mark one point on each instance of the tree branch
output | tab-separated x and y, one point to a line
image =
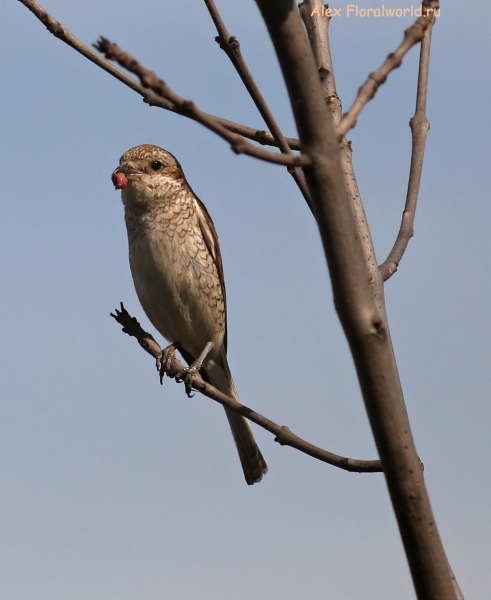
318	31
62	33
230	45
367	91
366	331
284	436
149	79
419	130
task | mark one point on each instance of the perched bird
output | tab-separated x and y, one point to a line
178	275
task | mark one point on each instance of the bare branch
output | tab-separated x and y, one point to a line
230	45
186	107
419	129
258	135
318	32
152	99
367	91
317	28
284	436
366	331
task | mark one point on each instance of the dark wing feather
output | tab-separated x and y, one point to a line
211	240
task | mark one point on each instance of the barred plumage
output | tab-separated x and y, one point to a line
178	275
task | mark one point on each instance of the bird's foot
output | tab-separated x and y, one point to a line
164	361
188	374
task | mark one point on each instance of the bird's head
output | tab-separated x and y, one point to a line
145	173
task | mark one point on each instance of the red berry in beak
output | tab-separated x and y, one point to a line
119	180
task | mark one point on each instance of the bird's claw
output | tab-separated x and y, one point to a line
164	361
187	376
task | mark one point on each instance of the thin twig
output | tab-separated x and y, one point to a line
419	129
257	135
186	107
231	46
284	436
62	33
367	91
317	27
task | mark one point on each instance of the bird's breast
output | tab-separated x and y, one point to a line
176	279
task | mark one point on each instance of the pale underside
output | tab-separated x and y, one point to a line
175	276
177	271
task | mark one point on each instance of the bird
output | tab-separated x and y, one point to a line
177	271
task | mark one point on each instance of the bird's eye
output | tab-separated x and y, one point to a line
156	165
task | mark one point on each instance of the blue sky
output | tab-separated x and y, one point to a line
113	488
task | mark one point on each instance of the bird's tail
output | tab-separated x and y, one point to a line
253	463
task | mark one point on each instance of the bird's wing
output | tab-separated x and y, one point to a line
211	240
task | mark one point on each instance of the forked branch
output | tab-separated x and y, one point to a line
419	130
284	436
367	91
366	331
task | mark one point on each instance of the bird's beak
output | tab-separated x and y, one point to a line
123	174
